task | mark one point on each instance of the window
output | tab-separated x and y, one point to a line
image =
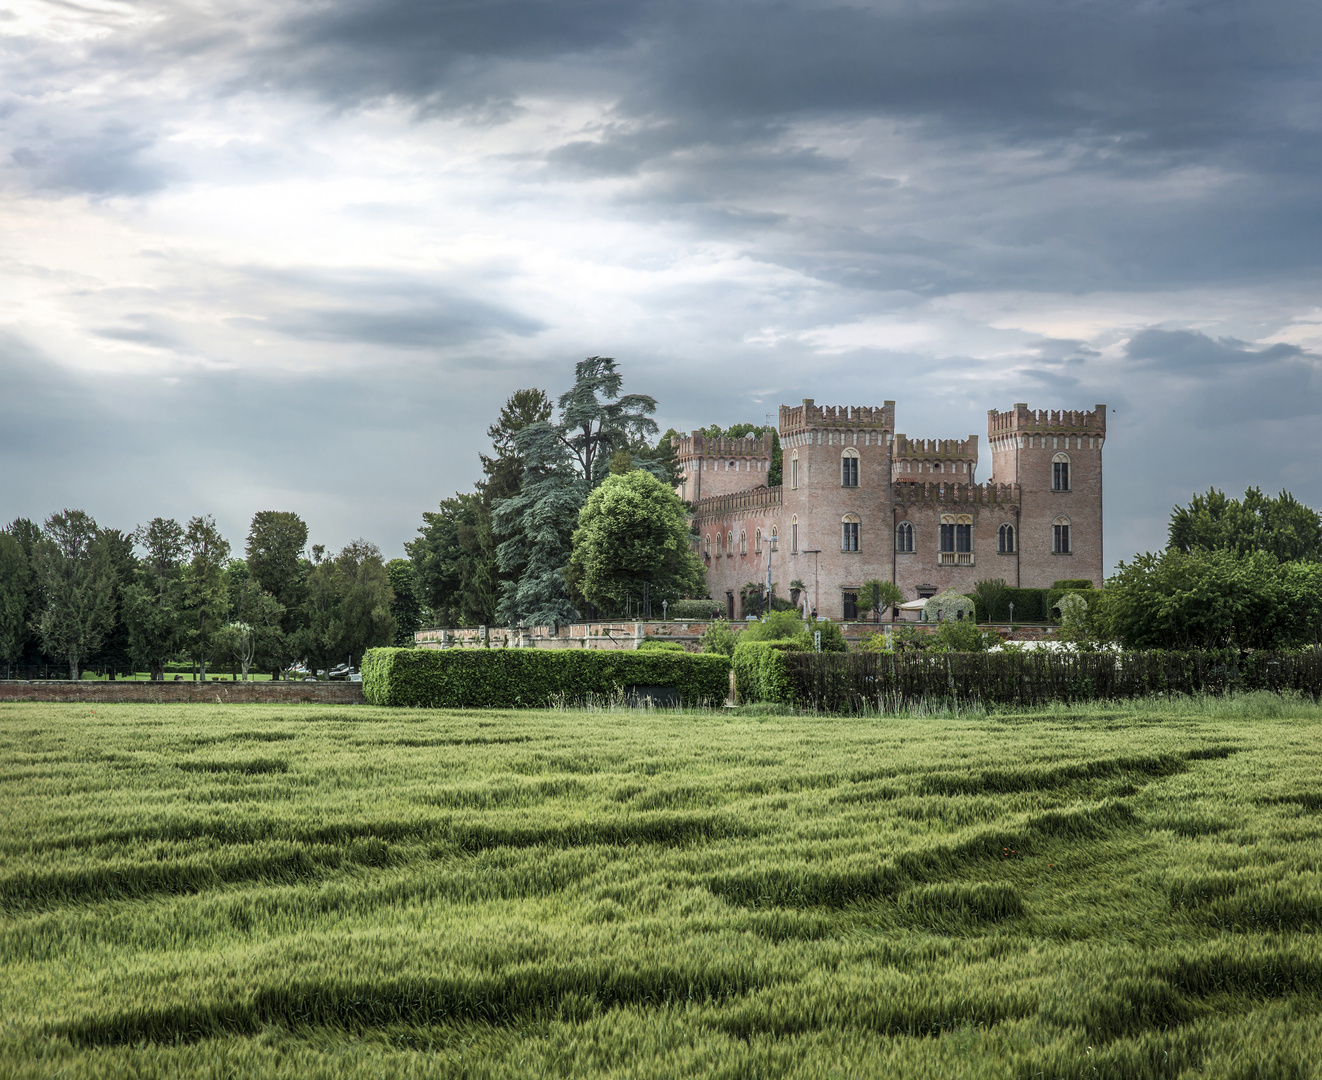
849	468
743	542
757	542
706	545
947	533
775	540
1005	540
964	533
849	533
720	545
1060	536
904	537
850	605
794	535
1060	472
794	470
729	543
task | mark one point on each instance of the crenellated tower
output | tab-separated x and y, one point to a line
720	466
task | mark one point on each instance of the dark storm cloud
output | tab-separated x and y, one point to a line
1189	350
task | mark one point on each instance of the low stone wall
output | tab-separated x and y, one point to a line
268	692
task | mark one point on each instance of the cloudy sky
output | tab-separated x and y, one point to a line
285	255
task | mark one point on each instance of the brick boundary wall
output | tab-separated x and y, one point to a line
166	693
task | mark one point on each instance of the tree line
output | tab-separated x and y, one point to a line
75	595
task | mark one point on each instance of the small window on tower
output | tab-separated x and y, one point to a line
904	537
1060	536
849	533
849	468
1005	540
1060	472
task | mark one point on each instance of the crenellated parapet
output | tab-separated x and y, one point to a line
697	445
1046	421
758	498
928	492
797	421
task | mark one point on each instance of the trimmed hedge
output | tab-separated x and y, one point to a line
534	678
854	681
695	609
759	670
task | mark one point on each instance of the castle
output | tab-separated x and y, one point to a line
859	501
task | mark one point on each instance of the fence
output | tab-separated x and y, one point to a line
850	682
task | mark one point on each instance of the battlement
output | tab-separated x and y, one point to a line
758	498
1046	421
799	418
915	449
697	445
915	494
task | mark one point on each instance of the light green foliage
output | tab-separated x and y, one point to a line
718	638
1075	620
833	638
903	637
961	635
878	595
355	892
779	626
948	605
15	585
77	588
632	531
1281	527
759	668
652	645
692	609
1213	599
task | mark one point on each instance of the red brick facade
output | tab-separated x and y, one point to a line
855	491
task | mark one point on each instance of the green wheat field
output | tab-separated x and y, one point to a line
300	891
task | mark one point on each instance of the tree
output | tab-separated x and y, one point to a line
253	636
274	554
632	531
114	550
1283	527
992	597
349	599
152	600
877	594
77	589
204	596
15	585
1204	600
405	608
563	462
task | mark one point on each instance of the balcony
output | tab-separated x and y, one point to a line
955	558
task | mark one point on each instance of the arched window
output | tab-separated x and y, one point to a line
1005	540
729	543
1060	472
720	545
794	469
947	533
775	539
794	535
1060	536
743	542
849	468
706	545
964	534
757	542
904	537
849	532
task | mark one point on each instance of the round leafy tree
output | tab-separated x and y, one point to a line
632	531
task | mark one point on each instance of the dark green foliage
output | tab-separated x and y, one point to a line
15	585
76	582
274	553
454	562
349	599
405	607
533	678
1281	527
871	680
992	600
718	638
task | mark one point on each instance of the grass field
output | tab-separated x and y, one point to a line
301	891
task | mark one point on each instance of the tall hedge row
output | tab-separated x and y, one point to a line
759	670
534	678
850	682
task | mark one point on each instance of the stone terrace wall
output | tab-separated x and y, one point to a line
224	693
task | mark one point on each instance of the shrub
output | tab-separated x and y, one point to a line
693	609
534	678
718	638
759	669
959	635
833	638
652	645
949	605
778	626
